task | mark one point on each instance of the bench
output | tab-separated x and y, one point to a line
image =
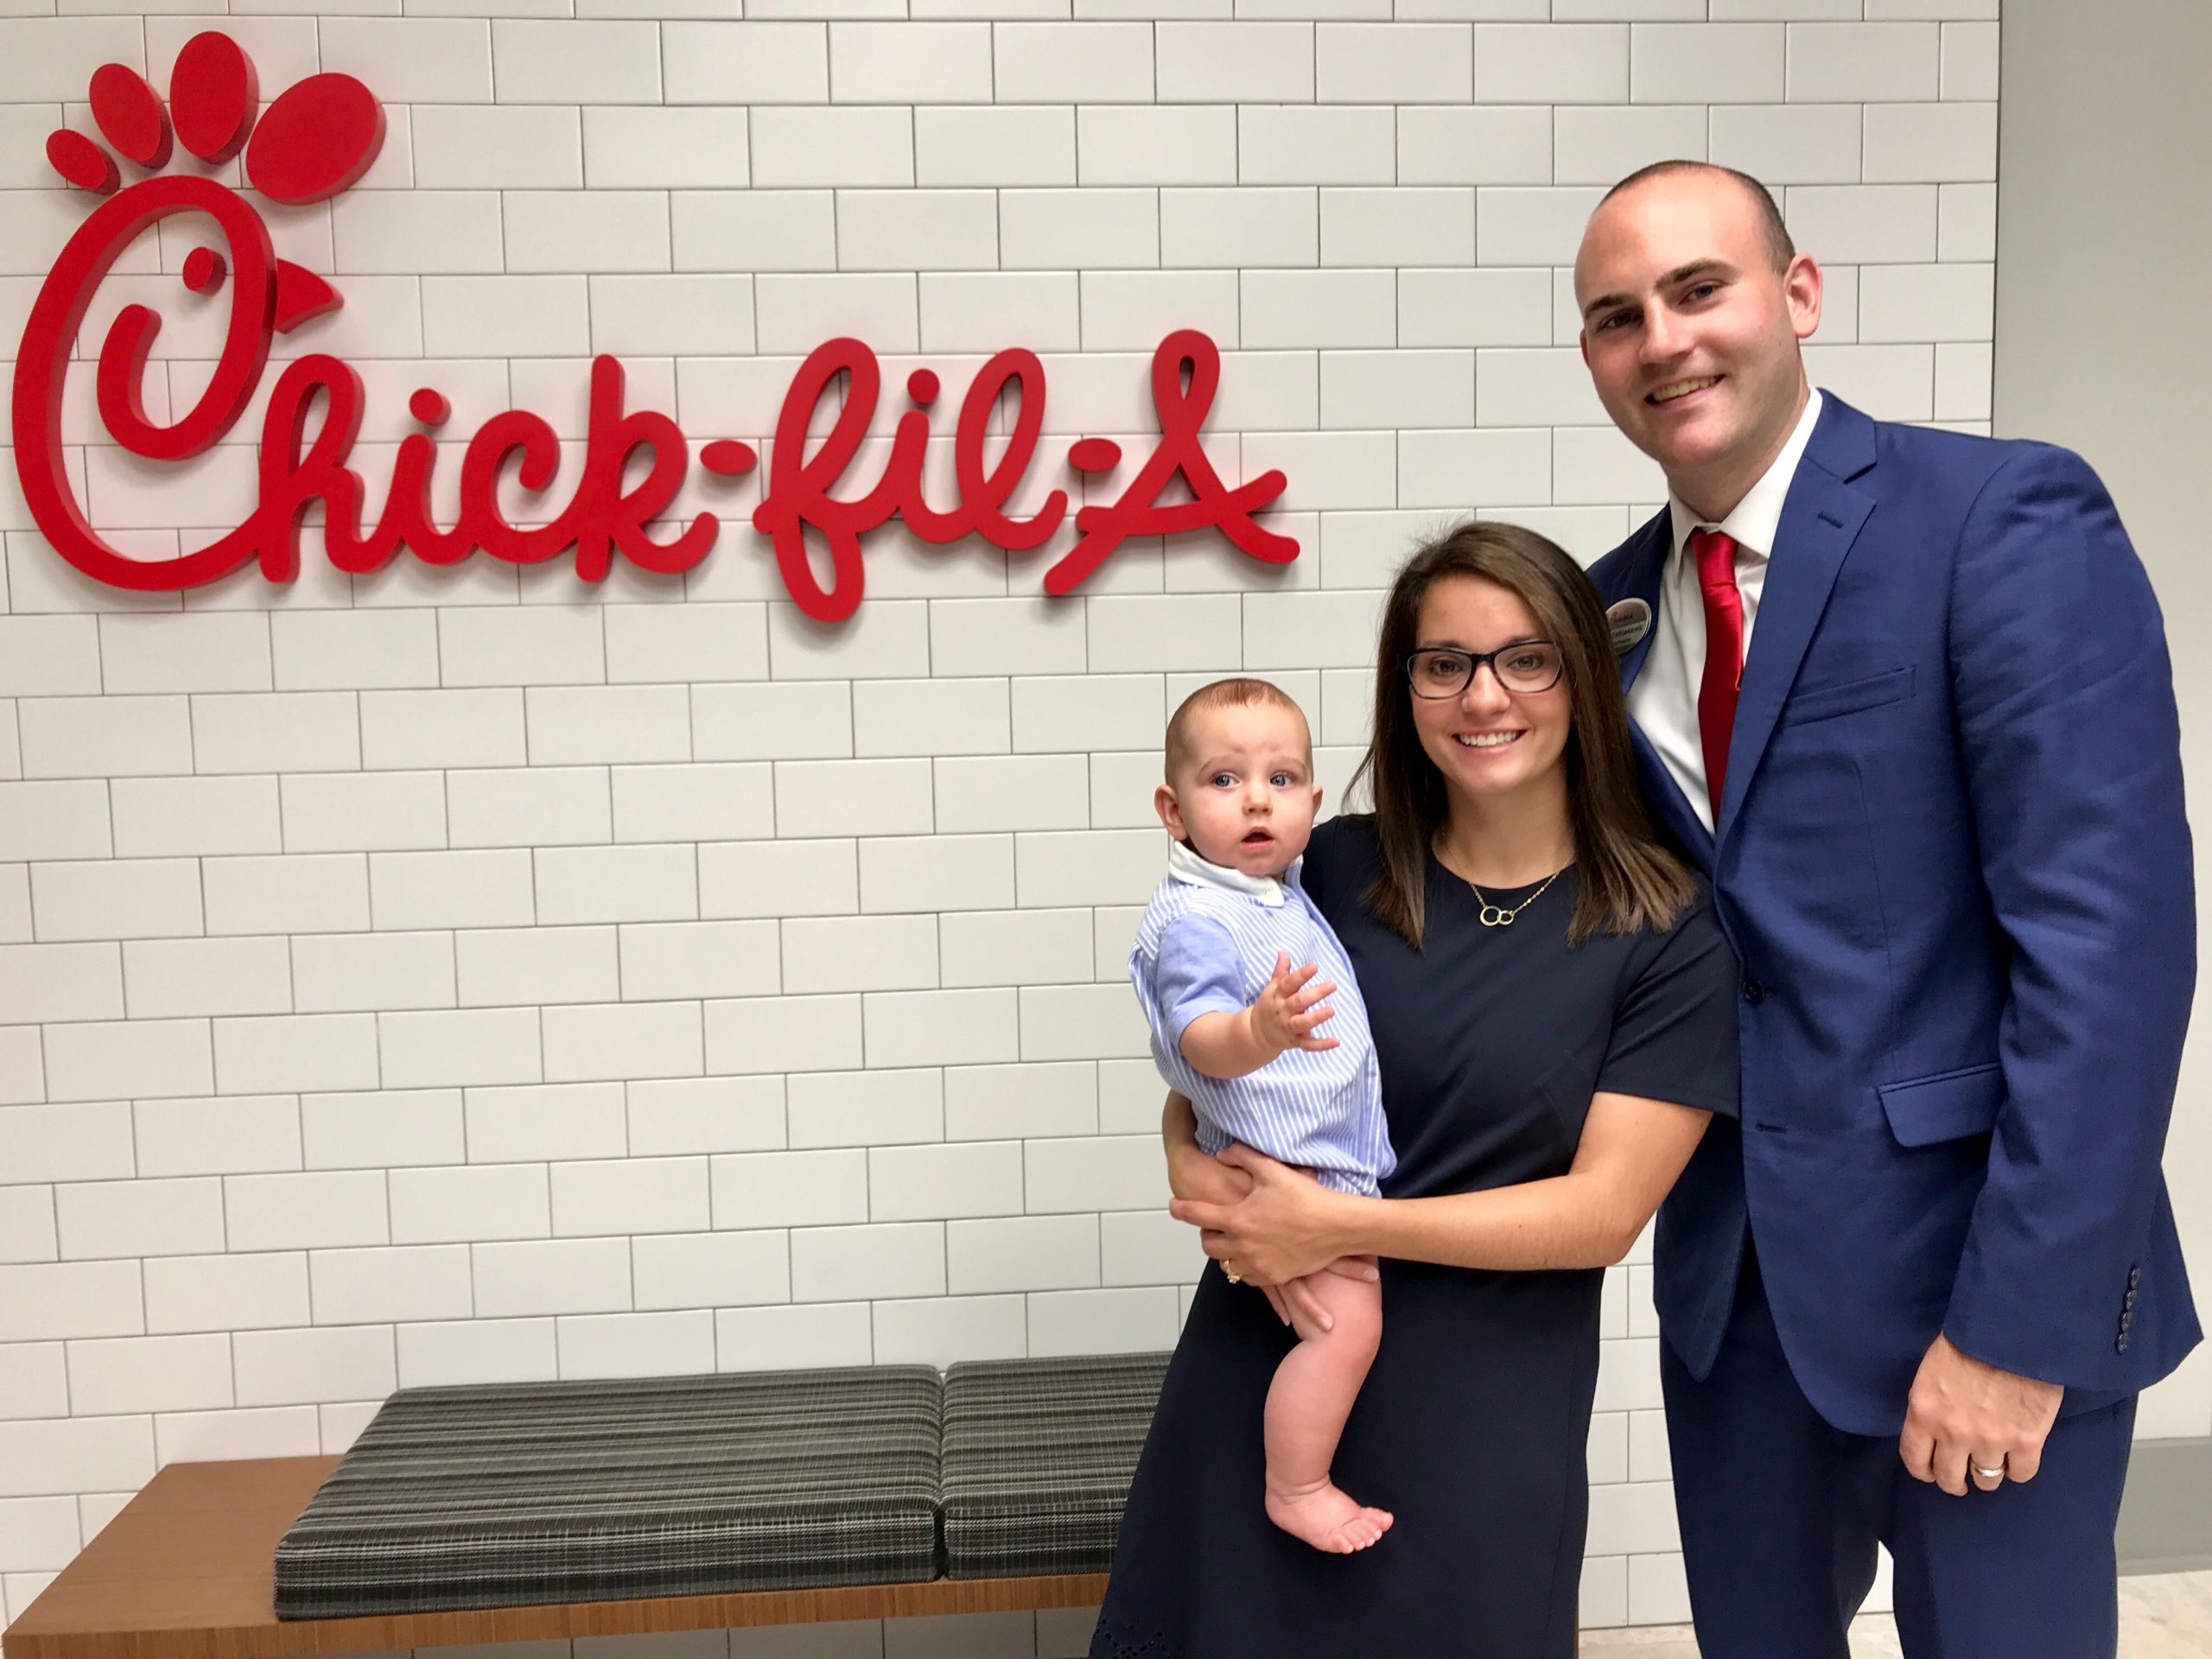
1027	1463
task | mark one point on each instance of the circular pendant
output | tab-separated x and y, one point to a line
1498	916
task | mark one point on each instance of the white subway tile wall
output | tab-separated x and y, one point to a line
458	974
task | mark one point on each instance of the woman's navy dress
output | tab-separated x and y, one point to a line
1472	1425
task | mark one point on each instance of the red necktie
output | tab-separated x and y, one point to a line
1715	552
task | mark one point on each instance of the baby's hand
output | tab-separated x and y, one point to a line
1287	1011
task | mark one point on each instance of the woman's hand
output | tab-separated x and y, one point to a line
1197	1176
1200	1176
1193	1173
1286	1227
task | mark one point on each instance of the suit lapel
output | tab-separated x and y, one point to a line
1664	796
1821	520
1643	570
1643	576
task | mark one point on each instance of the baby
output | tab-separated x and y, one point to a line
1233	1028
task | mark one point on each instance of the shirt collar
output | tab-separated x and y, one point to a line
1757	517
1185	865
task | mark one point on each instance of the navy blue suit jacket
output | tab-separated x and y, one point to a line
1953	860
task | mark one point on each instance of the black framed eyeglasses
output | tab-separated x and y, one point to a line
1524	668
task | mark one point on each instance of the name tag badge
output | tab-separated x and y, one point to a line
1630	620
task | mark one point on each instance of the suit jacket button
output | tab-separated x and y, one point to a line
1753	991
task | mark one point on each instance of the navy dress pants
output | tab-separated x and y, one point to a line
1781	1514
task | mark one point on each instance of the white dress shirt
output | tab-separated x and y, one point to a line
1663	700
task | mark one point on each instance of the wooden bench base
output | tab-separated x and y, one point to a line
184	1572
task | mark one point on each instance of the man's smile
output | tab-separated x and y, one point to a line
1674	391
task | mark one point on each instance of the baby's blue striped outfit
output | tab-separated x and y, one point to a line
1207	945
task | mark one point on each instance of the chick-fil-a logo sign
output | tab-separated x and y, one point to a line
315	140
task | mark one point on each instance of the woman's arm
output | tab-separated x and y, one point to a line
1631	1152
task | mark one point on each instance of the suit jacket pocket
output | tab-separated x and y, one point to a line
1826	701
1948	1106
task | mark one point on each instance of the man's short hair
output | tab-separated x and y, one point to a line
1238	693
1779	247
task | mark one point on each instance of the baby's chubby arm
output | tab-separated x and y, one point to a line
1283	1016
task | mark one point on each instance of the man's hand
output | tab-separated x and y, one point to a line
1962	1411
1287	1012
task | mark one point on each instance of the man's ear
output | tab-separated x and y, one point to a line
1170	810
1802	283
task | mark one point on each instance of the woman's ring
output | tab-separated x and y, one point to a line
1998	1473
1235	1277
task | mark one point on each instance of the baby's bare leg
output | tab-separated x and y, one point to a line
1308	1403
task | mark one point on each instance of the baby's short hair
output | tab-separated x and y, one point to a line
1237	693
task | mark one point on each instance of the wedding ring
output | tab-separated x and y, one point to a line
1998	1473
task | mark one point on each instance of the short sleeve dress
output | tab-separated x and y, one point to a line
1472	1425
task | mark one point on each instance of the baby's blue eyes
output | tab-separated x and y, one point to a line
1228	780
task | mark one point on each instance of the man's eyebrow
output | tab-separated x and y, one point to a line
1674	279
1696	268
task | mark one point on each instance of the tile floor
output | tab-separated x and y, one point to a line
2168	1617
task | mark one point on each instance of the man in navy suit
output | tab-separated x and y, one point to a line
1903	694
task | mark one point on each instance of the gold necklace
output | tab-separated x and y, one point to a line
1498	916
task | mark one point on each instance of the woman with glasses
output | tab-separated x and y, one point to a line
1552	1003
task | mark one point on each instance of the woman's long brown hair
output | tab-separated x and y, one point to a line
1626	880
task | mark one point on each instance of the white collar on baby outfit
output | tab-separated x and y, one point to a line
1184	864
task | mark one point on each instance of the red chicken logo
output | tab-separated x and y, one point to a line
316	139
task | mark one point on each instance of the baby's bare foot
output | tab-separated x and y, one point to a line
1326	1519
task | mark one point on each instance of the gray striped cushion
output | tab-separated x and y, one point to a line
1037	1457
498	1495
